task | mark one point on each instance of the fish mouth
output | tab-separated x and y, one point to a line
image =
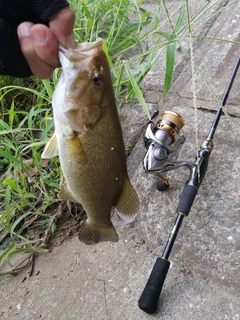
81	50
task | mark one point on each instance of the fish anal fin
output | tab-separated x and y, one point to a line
128	203
51	148
91	234
66	194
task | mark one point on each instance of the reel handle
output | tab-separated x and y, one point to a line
149	298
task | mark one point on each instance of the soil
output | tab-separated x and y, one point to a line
67	218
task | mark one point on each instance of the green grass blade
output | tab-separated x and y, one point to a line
137	90
7	89
48	88
105	50
12	158
171	50
170	58
12	184
31	249
14	225
6	252
180	19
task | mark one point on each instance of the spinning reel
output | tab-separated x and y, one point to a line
163	145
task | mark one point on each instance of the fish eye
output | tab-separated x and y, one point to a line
96	78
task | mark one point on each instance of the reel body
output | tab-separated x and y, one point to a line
163	145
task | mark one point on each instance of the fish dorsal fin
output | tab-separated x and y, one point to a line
51	148
66	194
128	203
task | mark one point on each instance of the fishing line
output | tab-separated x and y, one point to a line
193	71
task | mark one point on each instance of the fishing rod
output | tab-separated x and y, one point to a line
162	144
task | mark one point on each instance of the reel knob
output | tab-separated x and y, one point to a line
161	185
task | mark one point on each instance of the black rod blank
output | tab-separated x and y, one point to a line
224	99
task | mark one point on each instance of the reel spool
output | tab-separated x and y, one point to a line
168	127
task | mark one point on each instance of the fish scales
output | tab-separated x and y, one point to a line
88	139
97	170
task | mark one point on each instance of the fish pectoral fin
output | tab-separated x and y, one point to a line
76	149
128	203
66	194
91	234
51	148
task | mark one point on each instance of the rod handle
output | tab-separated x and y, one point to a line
187	197
149	298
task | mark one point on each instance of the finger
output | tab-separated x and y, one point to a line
61	24
34	50
45	44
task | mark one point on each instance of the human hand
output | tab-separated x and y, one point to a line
39	43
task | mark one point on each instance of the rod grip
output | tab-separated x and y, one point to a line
187	198
149	298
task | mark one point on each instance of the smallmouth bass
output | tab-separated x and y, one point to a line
88	140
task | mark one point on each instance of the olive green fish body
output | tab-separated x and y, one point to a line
89	142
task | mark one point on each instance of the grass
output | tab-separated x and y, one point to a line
134	39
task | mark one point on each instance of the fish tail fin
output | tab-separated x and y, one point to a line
128	203
90	234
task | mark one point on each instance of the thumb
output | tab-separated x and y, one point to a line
61	24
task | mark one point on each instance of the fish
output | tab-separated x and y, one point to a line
89	142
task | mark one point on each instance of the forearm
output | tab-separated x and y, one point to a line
17	11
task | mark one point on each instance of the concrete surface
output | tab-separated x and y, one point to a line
104	282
